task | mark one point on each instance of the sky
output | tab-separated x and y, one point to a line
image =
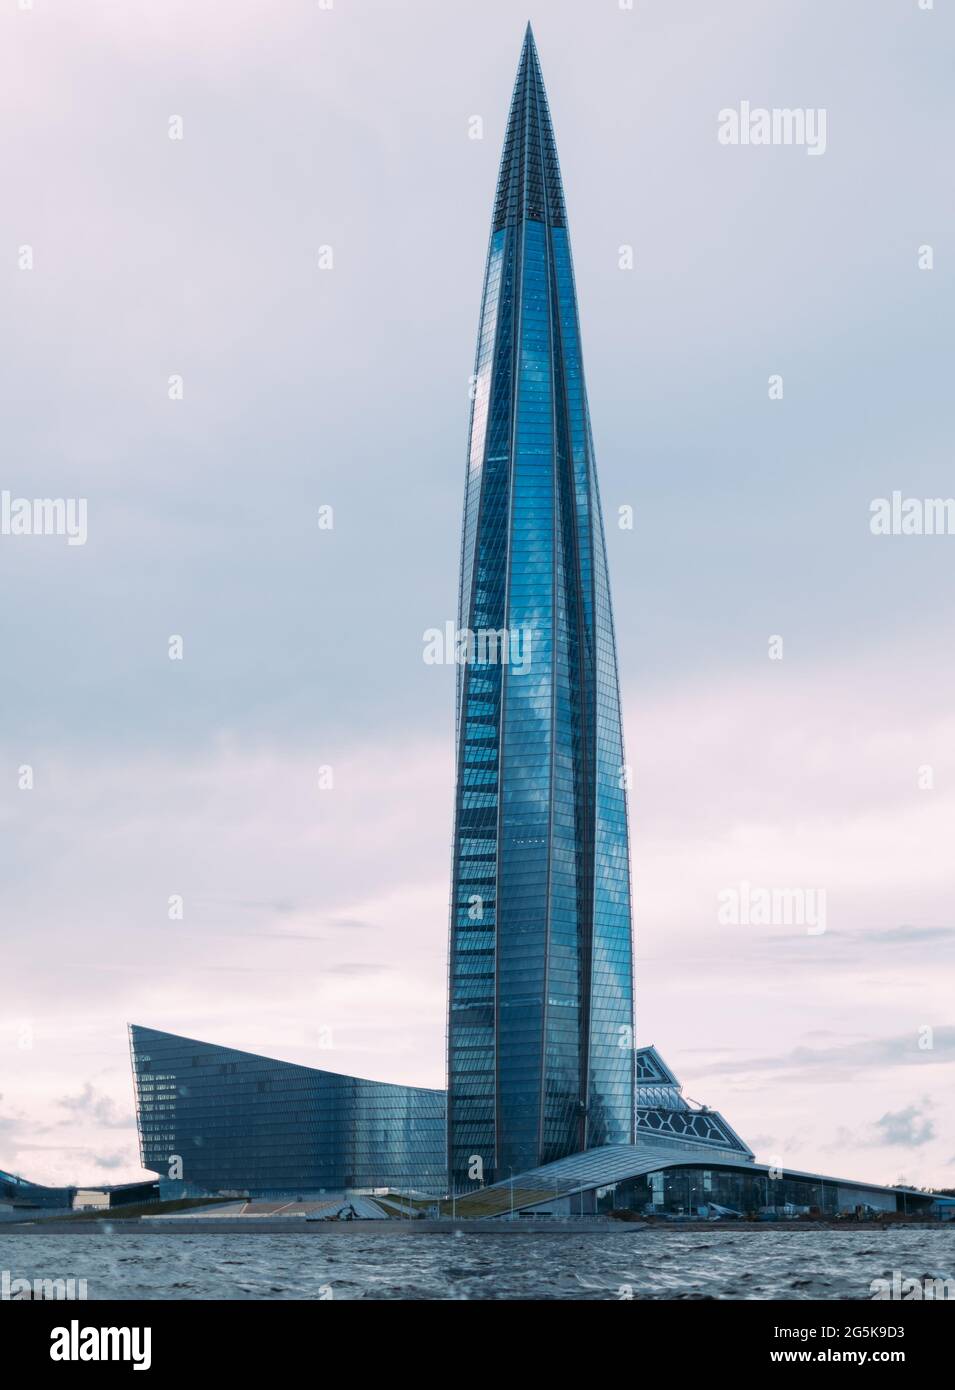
314	918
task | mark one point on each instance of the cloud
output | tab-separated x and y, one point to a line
121	1159
910	1127
10	1126
847	1060
906	936
17	1127
96	1108
761	1143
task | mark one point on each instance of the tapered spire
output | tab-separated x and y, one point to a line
529	184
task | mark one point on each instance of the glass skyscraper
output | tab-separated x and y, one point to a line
540	1030
550	1108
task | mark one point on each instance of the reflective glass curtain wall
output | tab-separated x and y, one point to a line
234	1120
540	1033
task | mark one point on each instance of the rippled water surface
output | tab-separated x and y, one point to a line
615	1264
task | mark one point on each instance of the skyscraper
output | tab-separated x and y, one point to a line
540	1011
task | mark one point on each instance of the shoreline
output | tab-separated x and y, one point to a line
296	1226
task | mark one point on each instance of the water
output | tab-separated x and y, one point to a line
776	1264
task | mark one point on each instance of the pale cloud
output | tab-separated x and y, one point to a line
95	1107
908	1128
109	1163
843	1063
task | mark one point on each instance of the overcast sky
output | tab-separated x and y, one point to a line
309	910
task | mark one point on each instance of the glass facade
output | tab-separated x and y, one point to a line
540	1034
663	1114
19	1193
690	1191
246	1123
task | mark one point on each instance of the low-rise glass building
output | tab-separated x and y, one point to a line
18	1195
758	1193
216	1119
